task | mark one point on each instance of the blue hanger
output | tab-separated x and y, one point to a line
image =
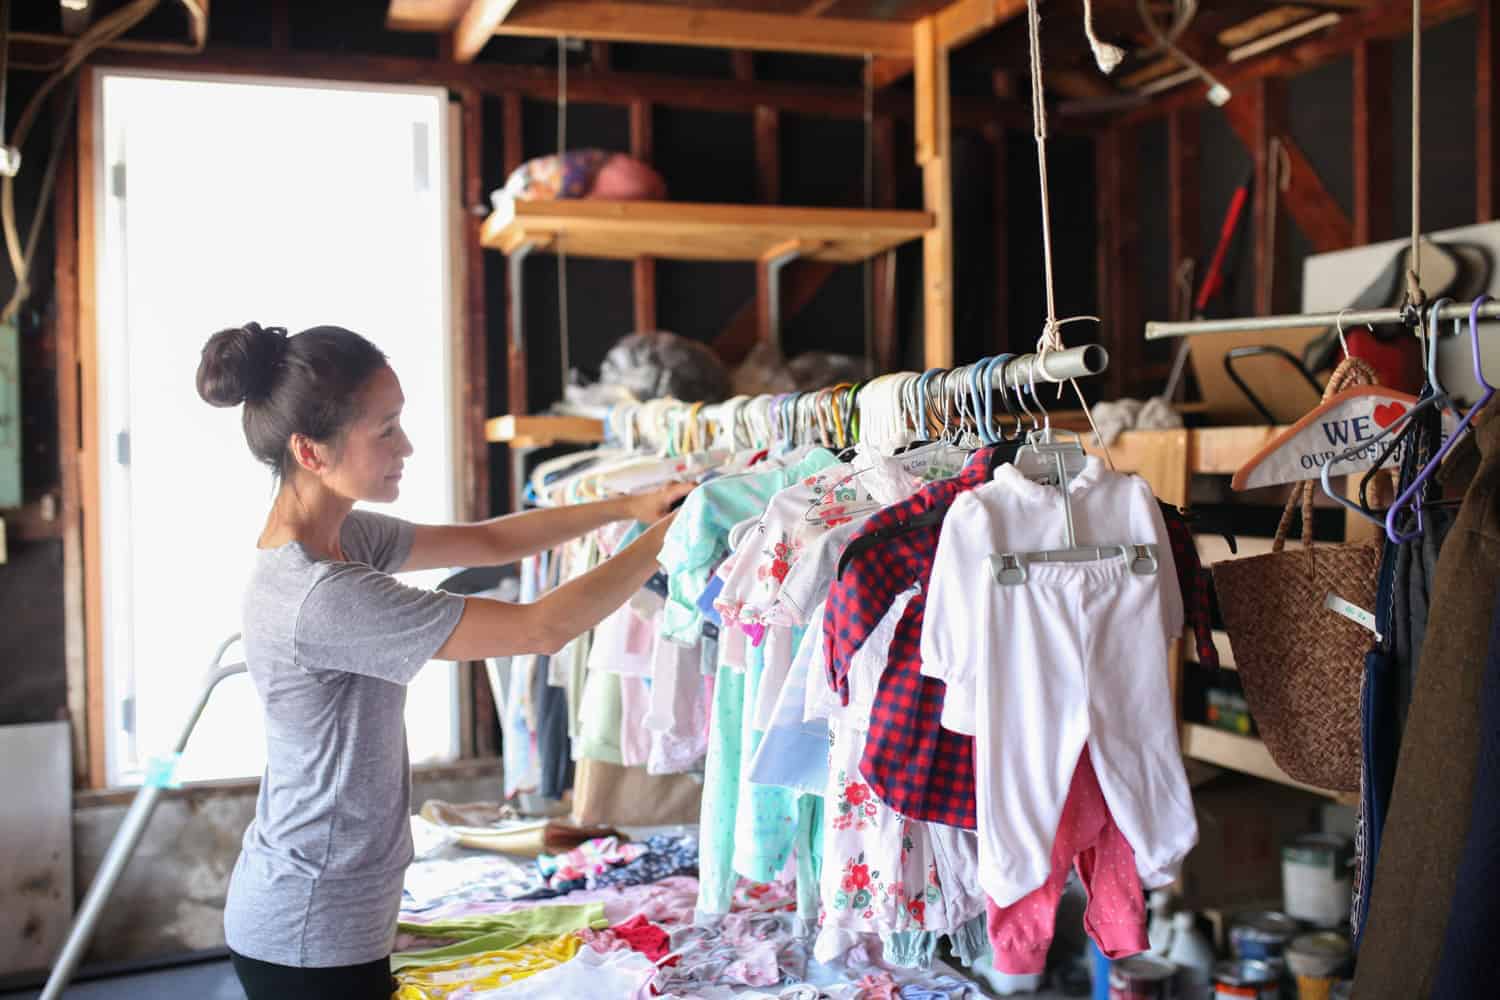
922	381
976	399
1393	516
996	434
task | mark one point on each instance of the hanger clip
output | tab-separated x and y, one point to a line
1008	568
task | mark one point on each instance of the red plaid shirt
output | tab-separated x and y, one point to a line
918	768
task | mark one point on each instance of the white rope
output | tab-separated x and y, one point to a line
1106	56
1051	338
1414	295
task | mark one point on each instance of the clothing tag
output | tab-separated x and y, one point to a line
658	583
161	772
711	631
1353	612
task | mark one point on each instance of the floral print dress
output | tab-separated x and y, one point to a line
882	872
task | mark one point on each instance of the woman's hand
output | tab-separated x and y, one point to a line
657	504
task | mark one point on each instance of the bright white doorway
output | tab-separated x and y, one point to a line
221	201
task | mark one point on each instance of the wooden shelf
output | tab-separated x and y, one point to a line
626	230
1244	754
541	430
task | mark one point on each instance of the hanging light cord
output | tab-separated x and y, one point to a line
562	251
1414	294
1051	338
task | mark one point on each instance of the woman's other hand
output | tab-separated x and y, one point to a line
657	504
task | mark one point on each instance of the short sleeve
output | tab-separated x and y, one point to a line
1148	525
361	621
952	619
377	540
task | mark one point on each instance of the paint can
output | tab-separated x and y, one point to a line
1317	876
1142	977
1246	979
1316	960
1261	936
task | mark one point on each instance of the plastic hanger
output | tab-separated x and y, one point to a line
1396	430
1393	517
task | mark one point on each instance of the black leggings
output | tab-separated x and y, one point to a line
268	981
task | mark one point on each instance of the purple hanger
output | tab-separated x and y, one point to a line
1407	495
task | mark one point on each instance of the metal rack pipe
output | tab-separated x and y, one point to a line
1156	330
1057	366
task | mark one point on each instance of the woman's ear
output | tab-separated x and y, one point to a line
307	453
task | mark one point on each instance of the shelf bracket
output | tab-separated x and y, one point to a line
515	262
774	260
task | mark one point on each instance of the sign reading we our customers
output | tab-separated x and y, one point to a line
1349	431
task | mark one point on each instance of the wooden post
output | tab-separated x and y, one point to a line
65	281
1373	142
1183	209
934	141
1119	249
515	367
1267	104
644	268
767	182
1486	107
89	444
475	332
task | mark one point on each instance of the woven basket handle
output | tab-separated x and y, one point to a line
1352	371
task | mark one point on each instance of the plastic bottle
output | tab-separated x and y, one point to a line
1193	956
1159	933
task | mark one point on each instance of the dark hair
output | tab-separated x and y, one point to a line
305	384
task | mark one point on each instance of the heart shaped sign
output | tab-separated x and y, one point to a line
1388	413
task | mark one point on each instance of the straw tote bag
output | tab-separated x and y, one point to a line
1302	664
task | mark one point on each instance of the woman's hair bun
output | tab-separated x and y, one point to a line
239	364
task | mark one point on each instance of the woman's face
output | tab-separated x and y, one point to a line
368	462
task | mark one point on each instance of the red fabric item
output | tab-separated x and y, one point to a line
1397	362
637	934
1088	838
918	768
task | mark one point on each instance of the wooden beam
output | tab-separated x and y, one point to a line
65	285
540	83
934	136
89	445
478	26
601	57
767	136
1183	209
711	27
475	321
1486	107
965	20
800	283
643	270
1259	115
817	8
1373	143
1377	22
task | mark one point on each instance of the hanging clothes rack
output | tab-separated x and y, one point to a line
1160	330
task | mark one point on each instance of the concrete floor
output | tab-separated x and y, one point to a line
212	980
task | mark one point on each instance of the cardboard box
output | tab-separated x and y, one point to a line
1242	823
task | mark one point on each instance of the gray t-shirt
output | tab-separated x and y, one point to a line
330	647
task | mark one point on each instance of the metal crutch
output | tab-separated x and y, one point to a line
126	839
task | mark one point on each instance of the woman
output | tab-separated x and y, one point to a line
331	639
